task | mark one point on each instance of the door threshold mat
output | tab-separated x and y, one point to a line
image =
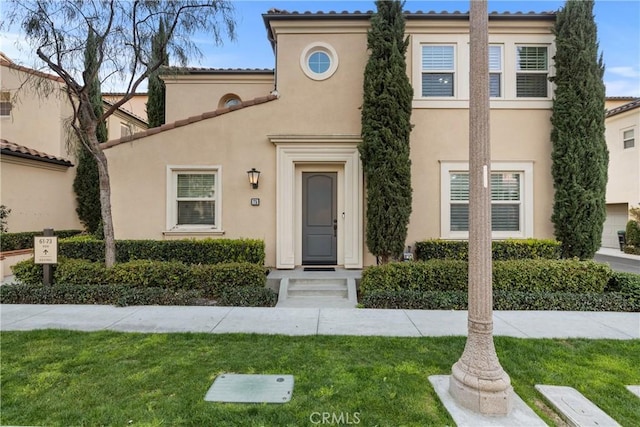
243	388
319	269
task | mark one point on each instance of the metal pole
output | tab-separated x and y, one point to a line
478	382
47	269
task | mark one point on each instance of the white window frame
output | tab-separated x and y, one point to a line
525	169
453	71
546	72
325	48
125	130
172	196
625	139
499	71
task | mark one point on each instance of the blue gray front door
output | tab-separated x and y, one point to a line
319	218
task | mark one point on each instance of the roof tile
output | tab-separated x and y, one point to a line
188	121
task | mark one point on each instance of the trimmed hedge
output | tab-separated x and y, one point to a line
539	275
210	280
502	249
121	295
502	300
24	240
188	251
248	297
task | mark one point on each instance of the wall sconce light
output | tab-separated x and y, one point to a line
254	176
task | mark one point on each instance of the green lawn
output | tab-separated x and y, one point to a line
107	378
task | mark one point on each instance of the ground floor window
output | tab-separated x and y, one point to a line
193	199
511	200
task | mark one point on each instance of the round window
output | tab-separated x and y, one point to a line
319	61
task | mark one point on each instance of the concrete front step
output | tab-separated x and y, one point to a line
317	292
316	302
317	287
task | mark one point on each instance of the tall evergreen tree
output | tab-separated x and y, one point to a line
156	94
580	156
86	184
386	115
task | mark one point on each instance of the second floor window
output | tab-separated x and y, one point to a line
495	71
532	65
628	139
5	103
438	70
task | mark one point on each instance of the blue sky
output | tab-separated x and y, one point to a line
618	32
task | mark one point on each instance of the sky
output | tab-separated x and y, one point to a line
618	24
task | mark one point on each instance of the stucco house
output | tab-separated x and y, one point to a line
299	125
37	165
622	124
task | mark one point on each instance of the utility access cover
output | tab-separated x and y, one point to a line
242	388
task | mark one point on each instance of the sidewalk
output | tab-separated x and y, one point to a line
314	321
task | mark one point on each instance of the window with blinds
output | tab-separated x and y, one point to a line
5	103
196	198
506	201
532	72
495	71
628	139
438	70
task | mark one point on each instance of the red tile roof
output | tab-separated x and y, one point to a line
626	107
6	62
8	148
188	121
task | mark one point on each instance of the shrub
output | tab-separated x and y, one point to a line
29	273
550	276
248	297
80	272
188	251
121	295
633	233
145	273
24	240
4	214
503	300
501	249
625	283
213	279
515	275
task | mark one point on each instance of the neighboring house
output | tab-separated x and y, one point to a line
37	165
623	188
130	118
299	125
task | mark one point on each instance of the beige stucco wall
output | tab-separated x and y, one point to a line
117	120
238	141
624	164
32	106
189	95
39	195
136	105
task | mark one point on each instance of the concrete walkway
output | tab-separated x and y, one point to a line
314	321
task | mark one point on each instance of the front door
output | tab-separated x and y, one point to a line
319	218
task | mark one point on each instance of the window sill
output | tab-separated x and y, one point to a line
193	232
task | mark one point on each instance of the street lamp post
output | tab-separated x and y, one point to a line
477	380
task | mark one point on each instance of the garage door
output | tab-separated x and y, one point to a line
617	217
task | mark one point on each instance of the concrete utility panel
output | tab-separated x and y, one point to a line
576	409
242	388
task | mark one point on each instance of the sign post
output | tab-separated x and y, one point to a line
45	251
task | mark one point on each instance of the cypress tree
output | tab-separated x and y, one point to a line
386	115
580	156
86	184
156	89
